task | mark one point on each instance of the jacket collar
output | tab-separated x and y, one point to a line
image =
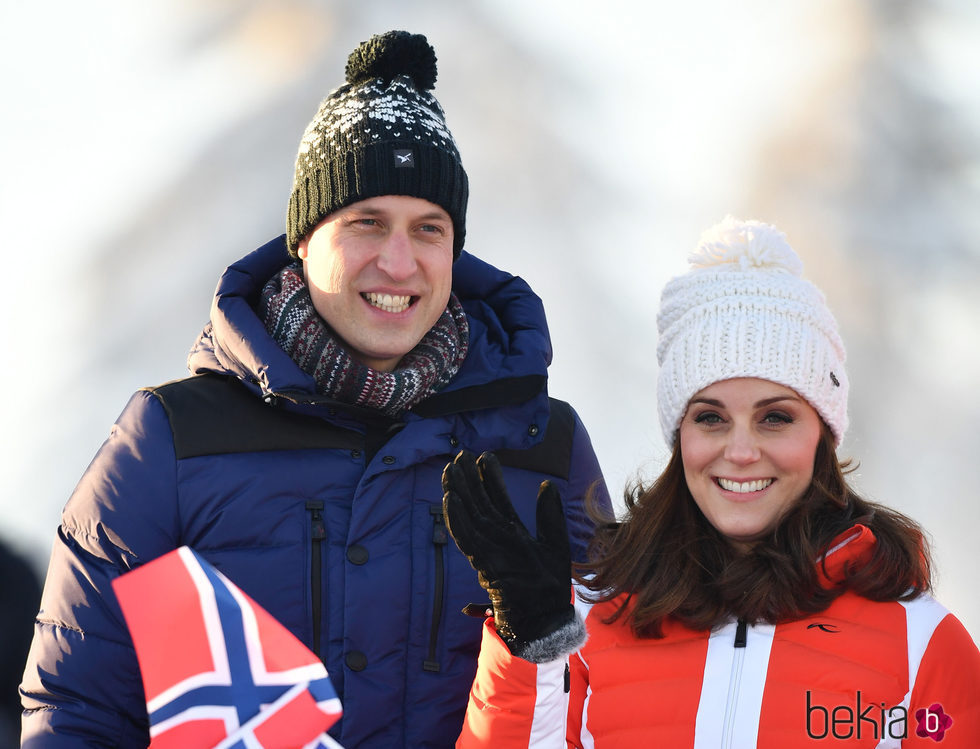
851	549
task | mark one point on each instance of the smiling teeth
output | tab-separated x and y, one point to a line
744	488
387	302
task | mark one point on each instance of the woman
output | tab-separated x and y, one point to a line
749	597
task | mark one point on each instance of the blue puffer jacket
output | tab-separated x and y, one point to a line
328	516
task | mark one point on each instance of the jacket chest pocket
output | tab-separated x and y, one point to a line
449	584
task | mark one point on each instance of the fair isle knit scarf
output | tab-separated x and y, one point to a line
287	310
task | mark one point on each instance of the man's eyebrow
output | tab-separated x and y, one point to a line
361	209
436	215
373	211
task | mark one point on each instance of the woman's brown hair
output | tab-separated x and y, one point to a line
667	560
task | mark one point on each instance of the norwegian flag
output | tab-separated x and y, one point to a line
218	670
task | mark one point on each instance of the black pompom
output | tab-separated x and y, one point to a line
392	54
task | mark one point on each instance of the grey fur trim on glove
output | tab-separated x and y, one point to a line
563	641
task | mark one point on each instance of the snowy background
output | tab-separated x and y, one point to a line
148	144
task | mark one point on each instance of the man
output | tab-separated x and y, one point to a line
344	365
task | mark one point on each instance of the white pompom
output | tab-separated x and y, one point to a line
745	245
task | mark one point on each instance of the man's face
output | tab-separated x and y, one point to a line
380	274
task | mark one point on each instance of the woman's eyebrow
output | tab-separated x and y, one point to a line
708	401
769	401
759	404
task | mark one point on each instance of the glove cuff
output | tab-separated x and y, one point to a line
568	638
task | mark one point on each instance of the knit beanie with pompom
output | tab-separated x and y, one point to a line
381	133
743	310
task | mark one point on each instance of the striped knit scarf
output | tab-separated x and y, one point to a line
287	310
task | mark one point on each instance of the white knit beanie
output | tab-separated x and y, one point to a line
743	310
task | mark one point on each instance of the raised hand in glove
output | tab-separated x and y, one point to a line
527	579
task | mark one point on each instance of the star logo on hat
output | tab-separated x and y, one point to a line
404	158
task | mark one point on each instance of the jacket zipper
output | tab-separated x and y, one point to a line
318	533
439	539
734	684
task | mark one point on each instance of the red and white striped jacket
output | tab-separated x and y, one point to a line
859	674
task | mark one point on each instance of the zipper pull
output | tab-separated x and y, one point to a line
318	530
440	534
741	633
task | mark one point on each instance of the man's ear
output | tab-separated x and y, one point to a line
302	249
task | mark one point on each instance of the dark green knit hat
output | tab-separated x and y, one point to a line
381	133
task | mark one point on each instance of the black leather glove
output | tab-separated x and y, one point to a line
528	579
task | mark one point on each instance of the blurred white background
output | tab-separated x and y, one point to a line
146	145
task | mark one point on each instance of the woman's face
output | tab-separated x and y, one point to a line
748	447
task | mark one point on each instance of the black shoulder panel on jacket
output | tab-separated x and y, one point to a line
553	454
212	414
504	392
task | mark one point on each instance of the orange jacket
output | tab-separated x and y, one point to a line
859	674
